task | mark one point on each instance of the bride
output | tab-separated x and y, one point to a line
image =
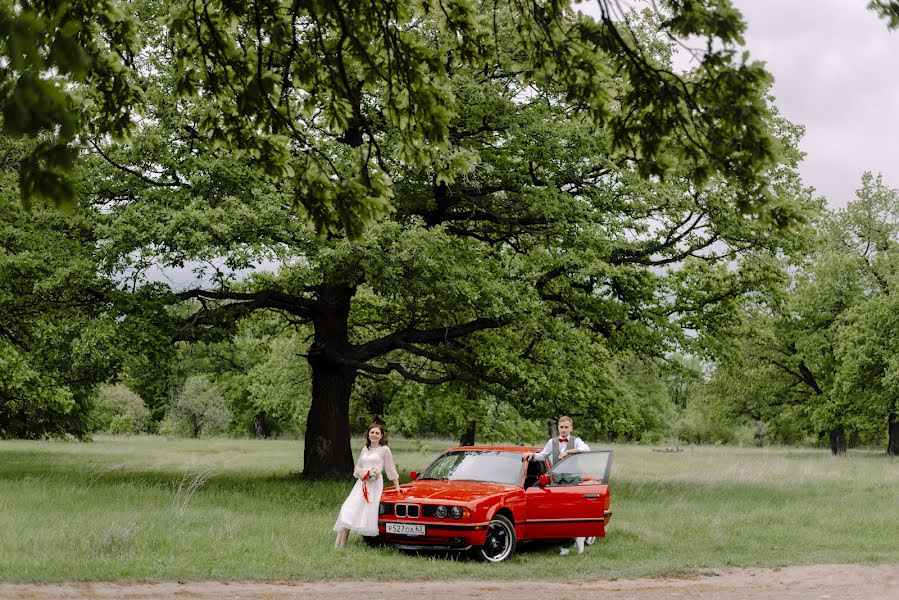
359	512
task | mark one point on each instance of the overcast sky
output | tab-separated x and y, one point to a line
836	71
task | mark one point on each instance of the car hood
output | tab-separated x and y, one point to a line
457	491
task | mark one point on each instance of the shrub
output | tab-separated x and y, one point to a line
699	426
122	424
119	410
198	410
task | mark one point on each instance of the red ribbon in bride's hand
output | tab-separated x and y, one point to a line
364	487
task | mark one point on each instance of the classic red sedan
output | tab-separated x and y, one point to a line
487	499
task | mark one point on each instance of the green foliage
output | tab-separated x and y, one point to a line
417	411
887	9
867	380
279	386
816	356
198	410
122	424
525	263
119	410
707	419
66	70
652	408
32	404
259	371
330	104
57	328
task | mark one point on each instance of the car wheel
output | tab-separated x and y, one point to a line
590	541
500	542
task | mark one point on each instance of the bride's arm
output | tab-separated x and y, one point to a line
390	468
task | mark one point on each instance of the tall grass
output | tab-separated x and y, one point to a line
148	508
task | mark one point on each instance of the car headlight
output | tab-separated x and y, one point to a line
440	512
381	508
456	512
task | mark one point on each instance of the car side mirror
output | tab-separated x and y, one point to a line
413	475
543	480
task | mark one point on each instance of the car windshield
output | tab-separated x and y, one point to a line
477	465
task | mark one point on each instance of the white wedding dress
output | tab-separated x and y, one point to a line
358	513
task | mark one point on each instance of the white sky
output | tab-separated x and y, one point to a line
836	71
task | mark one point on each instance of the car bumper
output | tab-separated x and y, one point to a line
430	547
438	536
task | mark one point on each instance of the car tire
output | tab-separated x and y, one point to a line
500	543
590	541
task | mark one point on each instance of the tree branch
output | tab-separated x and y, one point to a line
400	339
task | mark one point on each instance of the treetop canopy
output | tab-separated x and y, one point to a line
321	79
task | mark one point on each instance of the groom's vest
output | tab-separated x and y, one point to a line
555	454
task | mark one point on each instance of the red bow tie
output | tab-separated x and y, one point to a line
563	439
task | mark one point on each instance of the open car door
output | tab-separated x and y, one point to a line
575	499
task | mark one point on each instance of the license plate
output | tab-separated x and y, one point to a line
405	529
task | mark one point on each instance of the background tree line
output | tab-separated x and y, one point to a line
493	213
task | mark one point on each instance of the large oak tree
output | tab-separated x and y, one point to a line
522	257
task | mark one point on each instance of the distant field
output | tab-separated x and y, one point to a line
149	508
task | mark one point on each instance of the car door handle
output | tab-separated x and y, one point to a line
591	495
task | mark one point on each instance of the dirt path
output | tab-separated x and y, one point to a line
819	582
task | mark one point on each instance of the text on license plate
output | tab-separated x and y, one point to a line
405	529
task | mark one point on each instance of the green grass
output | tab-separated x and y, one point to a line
148	508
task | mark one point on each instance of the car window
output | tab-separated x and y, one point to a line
477	465
583	467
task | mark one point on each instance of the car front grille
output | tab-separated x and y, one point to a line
409	511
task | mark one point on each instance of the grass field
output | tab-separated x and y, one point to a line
148	508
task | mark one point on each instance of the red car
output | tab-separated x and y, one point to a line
487	499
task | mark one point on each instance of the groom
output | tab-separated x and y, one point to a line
557	449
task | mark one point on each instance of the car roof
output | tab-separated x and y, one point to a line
519	449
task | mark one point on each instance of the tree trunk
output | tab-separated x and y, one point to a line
758	438
893	430
467	438
261	425
327	450
327	446
838	440
377	403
